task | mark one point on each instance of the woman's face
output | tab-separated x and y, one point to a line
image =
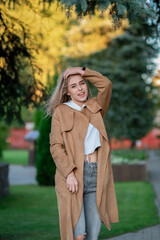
77	89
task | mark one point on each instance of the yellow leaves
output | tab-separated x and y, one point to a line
92	34
53	35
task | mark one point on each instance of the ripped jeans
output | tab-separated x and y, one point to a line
89	223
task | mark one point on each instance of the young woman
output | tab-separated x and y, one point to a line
80	148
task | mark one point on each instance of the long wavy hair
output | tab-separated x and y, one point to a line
59	95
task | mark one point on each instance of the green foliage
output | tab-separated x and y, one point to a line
37	117
27	116
136	11
19	86
44	161
4	132
132	111
131	153
128	156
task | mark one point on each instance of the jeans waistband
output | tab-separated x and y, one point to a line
90	168
88	164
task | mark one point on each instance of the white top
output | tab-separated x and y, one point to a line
92	139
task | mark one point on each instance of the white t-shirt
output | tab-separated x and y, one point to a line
92	139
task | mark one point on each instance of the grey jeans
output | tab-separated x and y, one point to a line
89	222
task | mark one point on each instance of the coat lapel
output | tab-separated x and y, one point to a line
93	105
97	121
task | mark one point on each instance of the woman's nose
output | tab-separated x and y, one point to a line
79	87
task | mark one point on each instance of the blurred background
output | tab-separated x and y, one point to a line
38	40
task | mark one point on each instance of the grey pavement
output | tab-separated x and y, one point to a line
21	175
154	175
149	233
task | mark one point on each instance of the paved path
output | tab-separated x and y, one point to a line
149	233
154	175
21	175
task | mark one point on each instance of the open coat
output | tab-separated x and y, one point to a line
68	131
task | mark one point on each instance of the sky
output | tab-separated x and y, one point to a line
157	61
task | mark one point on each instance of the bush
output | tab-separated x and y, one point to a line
4	132
44	161
37	116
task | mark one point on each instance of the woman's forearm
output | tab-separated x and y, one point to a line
104	86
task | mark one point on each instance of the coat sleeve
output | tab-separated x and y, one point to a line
57	147
104	86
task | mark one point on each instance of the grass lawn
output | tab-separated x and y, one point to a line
14	156
30	212
130	153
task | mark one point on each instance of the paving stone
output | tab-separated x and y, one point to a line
149	233
21	175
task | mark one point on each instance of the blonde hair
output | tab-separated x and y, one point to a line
59	95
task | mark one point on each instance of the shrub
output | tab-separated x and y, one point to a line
4	132
44	161
37	117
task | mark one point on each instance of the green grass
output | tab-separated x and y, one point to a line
30	212
130	154
21	156
15	156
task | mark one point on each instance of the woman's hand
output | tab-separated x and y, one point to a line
72	71
72	183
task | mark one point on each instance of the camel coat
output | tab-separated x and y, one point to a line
68	131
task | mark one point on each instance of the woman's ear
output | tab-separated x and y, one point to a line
68	95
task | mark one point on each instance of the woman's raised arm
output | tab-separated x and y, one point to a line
104	86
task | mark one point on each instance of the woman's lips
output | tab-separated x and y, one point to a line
81	95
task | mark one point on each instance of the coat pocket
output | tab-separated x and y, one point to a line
61	185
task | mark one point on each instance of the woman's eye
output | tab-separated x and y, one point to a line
73	86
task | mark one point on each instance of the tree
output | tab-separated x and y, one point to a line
135	11
132	109
19	86
31	38
57	37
